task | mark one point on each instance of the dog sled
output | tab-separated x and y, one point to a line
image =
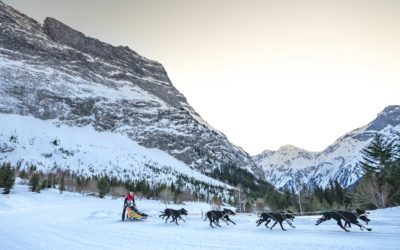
133	214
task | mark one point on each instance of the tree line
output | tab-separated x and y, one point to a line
378	188
101	185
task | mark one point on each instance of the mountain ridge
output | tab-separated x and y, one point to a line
53	72
290	167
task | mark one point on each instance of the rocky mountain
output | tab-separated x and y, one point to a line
290	166
56	76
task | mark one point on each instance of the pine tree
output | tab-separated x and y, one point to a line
1	176
61	187
7	177
380	185
81	182
315	204
54	182
49	181
34	183
129	185
377	155
22	174
339	193
103	186
391	175
43	185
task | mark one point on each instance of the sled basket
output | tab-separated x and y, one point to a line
132	215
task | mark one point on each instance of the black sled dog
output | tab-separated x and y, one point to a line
214	216
175	214
348	217
362	215
277	217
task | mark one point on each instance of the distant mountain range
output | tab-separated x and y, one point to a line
290	166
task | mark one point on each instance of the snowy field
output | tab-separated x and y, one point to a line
71	221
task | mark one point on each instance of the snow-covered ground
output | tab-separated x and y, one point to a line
71	221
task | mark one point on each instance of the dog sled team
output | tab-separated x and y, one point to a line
130	212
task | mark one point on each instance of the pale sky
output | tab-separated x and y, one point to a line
265	73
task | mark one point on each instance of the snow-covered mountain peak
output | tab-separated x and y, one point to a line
291	167
289	151
389	116
53	72
390	110
289	147
293	150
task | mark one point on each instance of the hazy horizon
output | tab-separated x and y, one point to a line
265	73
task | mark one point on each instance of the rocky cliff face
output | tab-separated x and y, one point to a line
53	72
291	166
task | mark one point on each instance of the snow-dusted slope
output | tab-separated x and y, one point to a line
88	152
53	72
291	166
72	221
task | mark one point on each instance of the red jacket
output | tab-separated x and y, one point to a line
129	199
